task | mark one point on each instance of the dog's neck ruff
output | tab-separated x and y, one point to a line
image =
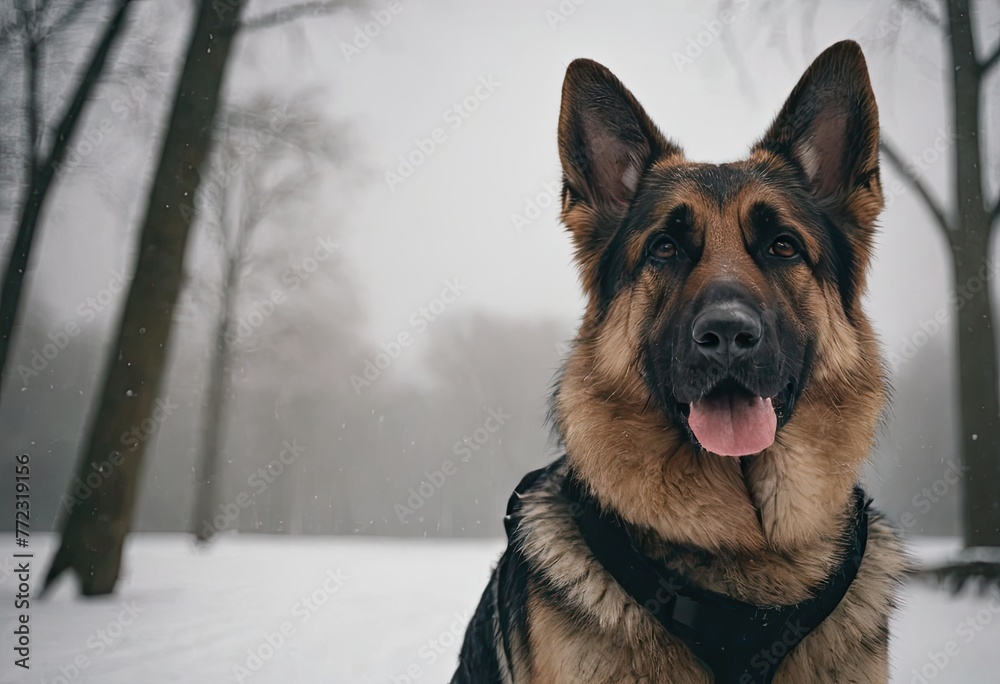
738	642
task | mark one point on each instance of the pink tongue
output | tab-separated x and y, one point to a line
733	424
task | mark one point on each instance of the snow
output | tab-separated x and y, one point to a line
355	610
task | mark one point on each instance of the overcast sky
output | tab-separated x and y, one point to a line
452	217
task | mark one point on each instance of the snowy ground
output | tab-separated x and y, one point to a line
275	610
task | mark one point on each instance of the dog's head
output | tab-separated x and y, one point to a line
726	298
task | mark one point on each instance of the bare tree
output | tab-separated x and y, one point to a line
94	529
248	194
36	25
967	222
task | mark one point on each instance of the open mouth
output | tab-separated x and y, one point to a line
730	420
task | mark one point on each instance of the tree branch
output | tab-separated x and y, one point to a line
67	17
39	184
896	161
32	107
291	13
924	11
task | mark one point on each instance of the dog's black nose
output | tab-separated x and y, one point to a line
726	331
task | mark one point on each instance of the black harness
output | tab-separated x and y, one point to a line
738	642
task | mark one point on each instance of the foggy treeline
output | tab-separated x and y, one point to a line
352	458
374	460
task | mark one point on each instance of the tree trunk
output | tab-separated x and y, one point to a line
207	484
218	387
41	176
978	379
978	403
104	492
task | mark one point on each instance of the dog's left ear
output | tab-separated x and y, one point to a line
829	129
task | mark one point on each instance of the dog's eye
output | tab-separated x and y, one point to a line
663	248
784	247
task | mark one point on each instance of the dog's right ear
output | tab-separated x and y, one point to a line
606	143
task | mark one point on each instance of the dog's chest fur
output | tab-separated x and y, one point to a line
582	626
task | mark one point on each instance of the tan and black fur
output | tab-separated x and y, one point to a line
657	238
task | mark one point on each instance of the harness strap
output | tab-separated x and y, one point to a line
513	516
738	642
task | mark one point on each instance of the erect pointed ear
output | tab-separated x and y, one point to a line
606	142
829	128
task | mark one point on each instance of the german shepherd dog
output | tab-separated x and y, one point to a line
721	396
